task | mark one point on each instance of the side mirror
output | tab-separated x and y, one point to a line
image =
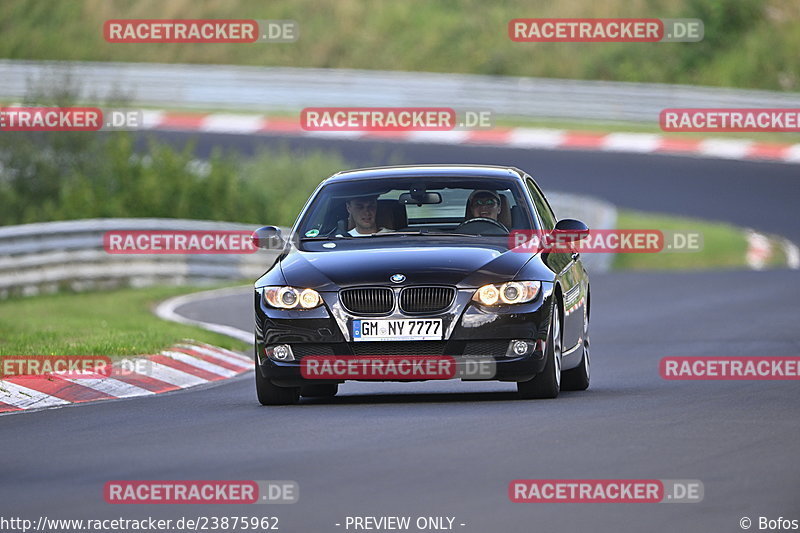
268	238
571	230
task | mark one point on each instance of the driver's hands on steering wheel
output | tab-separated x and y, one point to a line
482	220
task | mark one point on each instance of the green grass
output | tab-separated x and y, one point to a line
748	43
116	323
724	245
68	176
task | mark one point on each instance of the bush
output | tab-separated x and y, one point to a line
62	176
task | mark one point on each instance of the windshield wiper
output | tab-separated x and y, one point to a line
348	236
422	232
388	233
448	234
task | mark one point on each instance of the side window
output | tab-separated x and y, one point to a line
545	213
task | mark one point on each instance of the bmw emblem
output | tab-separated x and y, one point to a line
398	278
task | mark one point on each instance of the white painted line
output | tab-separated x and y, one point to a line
224	123
166	311
26	398
631	142
439	137
240	361
727	149
173	376
231	353
759	250
792	155
535	138
111	386
334	134
199	363
792	254
152	119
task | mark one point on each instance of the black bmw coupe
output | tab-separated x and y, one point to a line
412	264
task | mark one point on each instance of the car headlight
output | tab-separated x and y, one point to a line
291	297
513	292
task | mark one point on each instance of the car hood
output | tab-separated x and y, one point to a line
462	265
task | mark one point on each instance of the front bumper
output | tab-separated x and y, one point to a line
471	331
289	374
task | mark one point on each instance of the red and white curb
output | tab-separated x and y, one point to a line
552	139
760	250
182	366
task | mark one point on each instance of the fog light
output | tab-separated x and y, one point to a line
281	352
518	348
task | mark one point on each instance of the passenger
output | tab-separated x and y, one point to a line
483	204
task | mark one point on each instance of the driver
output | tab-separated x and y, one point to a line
362	211
484	204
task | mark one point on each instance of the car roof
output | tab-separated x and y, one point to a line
429	171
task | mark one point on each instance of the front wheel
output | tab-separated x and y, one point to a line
270	394
578	378
548	382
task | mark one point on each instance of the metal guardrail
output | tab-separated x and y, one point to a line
50	256
256	89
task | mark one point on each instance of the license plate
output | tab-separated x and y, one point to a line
398	330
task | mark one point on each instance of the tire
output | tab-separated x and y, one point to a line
546	384
578	378
269	394
319	391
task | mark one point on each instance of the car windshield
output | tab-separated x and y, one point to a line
467	207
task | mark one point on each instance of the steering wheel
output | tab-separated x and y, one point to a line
340	230
483	220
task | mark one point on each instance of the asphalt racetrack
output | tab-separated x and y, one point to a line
451	448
